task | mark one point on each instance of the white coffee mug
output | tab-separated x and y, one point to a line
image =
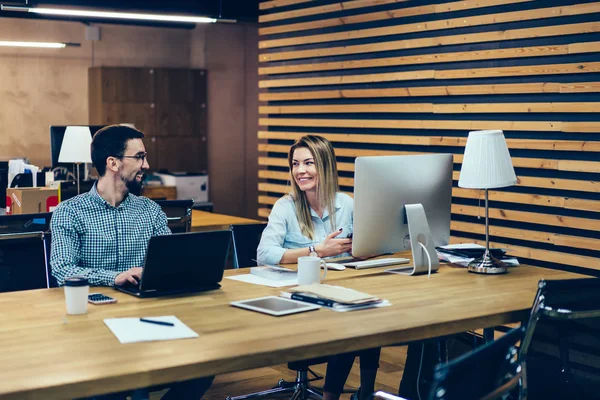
309	270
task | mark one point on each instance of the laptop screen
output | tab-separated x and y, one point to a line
185	261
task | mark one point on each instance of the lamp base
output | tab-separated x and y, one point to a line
487	264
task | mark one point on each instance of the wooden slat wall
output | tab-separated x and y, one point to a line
389	77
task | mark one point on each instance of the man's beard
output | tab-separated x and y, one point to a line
134	186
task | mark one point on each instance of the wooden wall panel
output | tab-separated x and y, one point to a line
551	12
162	103
398	78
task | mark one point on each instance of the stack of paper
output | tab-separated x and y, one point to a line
337	298
259	280
462	254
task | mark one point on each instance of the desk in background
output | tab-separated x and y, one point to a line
207	221
160	192
46	354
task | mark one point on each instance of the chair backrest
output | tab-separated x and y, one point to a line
51	280
179	214
488	372
246	238
560	353
22	262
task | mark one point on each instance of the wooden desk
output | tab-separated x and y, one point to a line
160	192
46	354
207	221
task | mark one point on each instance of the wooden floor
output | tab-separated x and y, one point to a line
391	366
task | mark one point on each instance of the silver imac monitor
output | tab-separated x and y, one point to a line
384	186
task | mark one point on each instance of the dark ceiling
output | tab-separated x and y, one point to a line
242	10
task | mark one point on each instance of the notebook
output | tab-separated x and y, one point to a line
338	294
337	298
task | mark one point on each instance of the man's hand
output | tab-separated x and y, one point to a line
132	275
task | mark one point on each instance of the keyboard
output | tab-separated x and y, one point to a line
380	262
129	287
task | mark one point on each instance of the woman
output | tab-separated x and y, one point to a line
302	223
315	219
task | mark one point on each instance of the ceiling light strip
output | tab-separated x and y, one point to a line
114	15
46	45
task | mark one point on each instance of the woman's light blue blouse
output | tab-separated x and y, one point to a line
283	231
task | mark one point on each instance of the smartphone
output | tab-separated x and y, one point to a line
99	298
346	232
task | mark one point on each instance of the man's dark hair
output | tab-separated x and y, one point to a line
111	141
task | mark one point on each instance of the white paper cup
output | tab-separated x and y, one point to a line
76	294
309	270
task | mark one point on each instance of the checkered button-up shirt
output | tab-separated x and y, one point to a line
94	239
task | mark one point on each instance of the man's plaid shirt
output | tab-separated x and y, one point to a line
91	238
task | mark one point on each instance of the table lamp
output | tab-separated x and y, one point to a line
486	165
75	148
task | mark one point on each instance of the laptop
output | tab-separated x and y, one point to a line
182	263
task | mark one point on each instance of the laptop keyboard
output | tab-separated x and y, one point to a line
131	287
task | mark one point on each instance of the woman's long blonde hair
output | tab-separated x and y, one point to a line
327	183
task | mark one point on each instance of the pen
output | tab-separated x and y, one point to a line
151	321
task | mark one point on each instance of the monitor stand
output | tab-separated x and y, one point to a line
421	243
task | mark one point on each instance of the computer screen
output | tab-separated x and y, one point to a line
383	185
57	133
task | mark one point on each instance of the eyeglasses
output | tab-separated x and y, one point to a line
139	156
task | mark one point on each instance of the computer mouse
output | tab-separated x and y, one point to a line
337	267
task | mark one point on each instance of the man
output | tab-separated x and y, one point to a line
103	234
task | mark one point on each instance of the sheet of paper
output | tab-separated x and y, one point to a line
274	273
341	308
132	330
257	280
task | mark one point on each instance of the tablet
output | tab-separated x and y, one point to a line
274	305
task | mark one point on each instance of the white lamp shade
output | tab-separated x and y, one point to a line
486	163
75	146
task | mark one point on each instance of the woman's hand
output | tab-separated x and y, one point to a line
332	247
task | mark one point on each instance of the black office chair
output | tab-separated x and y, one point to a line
245	242
560	354
22	262
491	371
179	214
